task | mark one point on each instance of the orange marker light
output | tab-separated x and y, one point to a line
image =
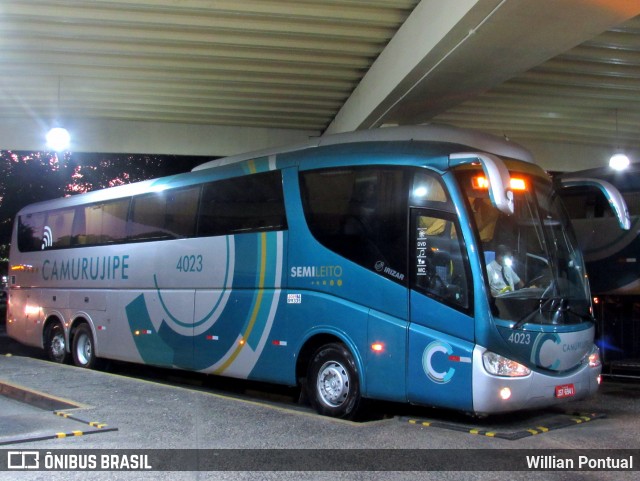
594	360
377	347
479	182
517	184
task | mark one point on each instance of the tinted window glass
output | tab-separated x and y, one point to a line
31	232
252	203
360	213
165	215
427	190
590	204
105	223
439	259
243	204
59	223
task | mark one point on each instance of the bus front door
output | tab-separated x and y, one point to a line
441	329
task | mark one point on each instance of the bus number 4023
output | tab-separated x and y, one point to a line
520	338
190	263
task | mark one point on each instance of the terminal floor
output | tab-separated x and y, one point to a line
108	410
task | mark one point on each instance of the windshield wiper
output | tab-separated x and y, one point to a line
543	303
580	316
562	308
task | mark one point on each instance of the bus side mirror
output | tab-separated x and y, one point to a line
613	196
497	174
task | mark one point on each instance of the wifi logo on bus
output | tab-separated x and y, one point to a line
47	237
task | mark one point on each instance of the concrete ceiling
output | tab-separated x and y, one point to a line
231	75
576	96
279	63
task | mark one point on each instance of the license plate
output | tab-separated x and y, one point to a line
566	390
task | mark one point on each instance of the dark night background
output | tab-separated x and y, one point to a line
28	177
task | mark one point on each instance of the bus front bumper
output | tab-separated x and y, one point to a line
495	394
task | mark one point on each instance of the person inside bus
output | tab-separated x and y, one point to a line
502	277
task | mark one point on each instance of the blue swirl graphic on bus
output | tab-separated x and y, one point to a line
230	337
193	324
441	377
544	357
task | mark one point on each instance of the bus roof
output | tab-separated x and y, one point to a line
472	139
460	139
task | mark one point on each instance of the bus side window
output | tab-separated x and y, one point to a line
182	208
170	214
439	260
360	213
580	203
31	232
105	223
60	223
79	229
240	205
147	217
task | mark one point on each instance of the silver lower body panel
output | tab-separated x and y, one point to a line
533	391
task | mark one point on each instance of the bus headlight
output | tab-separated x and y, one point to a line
501	366
594	357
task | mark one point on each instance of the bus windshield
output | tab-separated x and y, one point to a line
533	269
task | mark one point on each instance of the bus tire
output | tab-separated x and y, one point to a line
333	387
83	350
55	344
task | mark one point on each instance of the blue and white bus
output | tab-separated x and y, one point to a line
609	250
354	266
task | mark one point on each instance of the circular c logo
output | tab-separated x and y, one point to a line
427	357
544	352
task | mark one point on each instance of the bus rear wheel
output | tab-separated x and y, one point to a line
83	348
332	385
55	344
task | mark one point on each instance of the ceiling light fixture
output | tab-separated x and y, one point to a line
58	138
619	160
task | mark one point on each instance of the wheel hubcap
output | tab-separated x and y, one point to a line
84	349
333	384
57	345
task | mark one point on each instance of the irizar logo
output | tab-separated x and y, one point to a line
380	267
47	237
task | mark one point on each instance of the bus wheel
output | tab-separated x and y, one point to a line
55	344
333	387
83	348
